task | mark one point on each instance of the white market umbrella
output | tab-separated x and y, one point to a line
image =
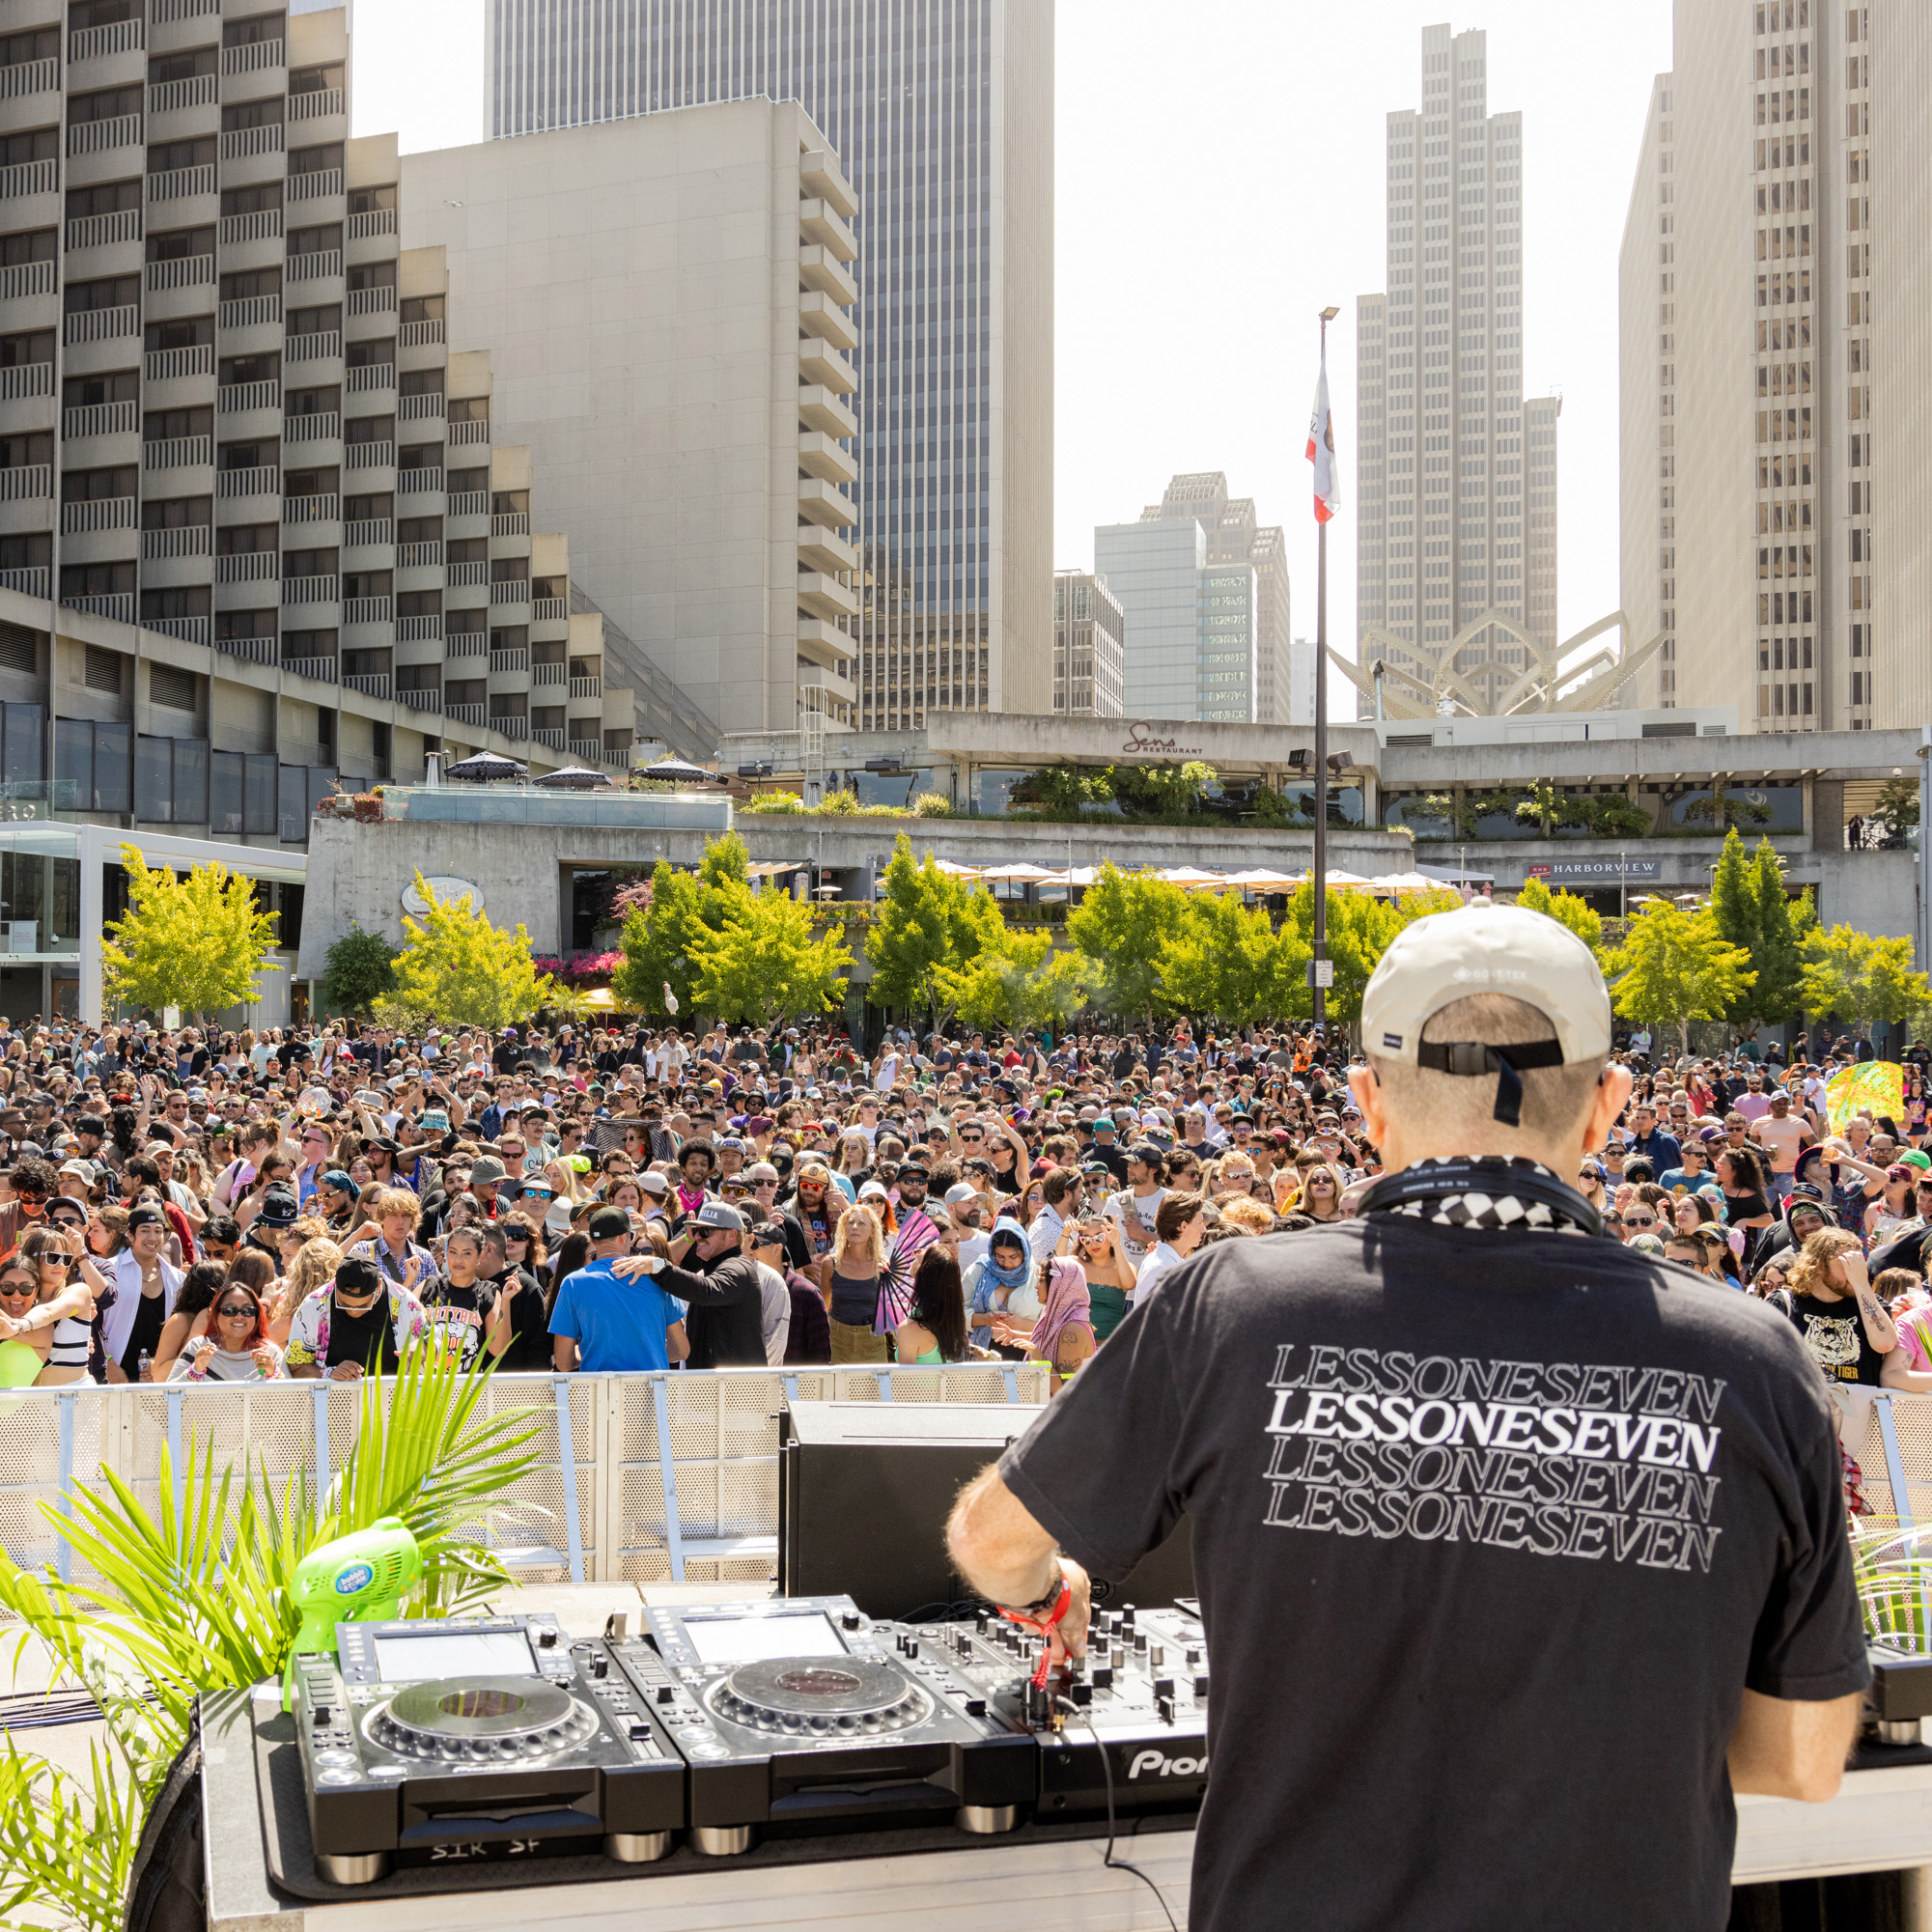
1406	882
1019	874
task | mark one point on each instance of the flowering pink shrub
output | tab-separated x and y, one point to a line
580	969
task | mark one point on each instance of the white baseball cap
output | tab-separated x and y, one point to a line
1481	948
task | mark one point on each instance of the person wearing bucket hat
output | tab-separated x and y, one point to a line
1469	1309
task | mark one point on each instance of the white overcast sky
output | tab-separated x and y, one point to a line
1219	182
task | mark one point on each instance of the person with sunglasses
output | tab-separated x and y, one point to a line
520	1325
237	1347
346	1325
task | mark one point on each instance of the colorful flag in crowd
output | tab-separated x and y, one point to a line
1876	1085
1322	451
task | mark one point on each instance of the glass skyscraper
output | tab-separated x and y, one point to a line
940	112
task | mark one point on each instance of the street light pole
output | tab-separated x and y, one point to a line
1321	873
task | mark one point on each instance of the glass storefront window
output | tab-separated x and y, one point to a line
39	891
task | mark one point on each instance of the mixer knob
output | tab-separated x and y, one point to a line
599	1667
850	1620
1194	1656
1103	1676
1156	1657
1201	1686
1140	1643
546	1640
913	1647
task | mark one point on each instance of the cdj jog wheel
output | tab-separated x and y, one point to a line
482	1720
820	1697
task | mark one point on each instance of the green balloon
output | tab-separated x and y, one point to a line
19	1365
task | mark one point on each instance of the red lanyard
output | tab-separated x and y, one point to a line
1045	1625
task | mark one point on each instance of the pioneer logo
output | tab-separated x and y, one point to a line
1160	1765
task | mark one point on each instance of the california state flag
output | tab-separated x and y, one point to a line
1322	452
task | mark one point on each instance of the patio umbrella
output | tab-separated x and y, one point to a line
574	779
480	767
1337	879
1406	882
1019	873
1261	879
675	771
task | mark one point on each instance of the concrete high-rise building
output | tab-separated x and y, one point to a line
1793	294
665	299
942	112
1441	537
1088	629
1233	537
1647	340
256	526
1301	682
1154	569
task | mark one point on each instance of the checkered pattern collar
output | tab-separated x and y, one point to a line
1478	1193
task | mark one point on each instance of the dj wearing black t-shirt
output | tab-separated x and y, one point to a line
1518	1552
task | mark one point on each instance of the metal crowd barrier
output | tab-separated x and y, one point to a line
642	1478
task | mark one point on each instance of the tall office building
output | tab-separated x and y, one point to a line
942	112
254	527
665	301
1089	627
1797	312
1234	536
1192	625
1648	344
1442	539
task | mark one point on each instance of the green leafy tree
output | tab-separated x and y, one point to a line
358	969
928	922
1675	966
1221	961
1852	975
465	970
1121	924
1360	929
1024	983
1544	808
763	963
1898	807
1163	791
1735	912
1065	788
1777	943
659	939
195	942
1567	909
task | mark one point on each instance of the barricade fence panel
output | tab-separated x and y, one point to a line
595	1506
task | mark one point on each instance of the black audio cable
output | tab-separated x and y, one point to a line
1108	1857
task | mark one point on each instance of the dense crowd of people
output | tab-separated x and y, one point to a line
207	1206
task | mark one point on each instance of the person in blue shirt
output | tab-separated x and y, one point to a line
603	1320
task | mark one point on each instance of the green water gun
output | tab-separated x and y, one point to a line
362	1577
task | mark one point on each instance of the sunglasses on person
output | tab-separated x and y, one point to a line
1640	1221
236	1311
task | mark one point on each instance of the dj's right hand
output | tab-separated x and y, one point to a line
1069	1634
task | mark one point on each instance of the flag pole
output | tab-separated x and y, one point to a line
1320	870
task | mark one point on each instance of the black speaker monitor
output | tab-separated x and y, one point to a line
865	1488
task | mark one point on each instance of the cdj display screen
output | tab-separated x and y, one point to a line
753	1639
454	1652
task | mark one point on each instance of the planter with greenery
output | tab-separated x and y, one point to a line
195	1599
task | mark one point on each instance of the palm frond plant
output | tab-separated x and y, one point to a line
1893	1572
193	1597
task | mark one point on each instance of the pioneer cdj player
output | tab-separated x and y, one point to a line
1139	1695
442	1742
802	1715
